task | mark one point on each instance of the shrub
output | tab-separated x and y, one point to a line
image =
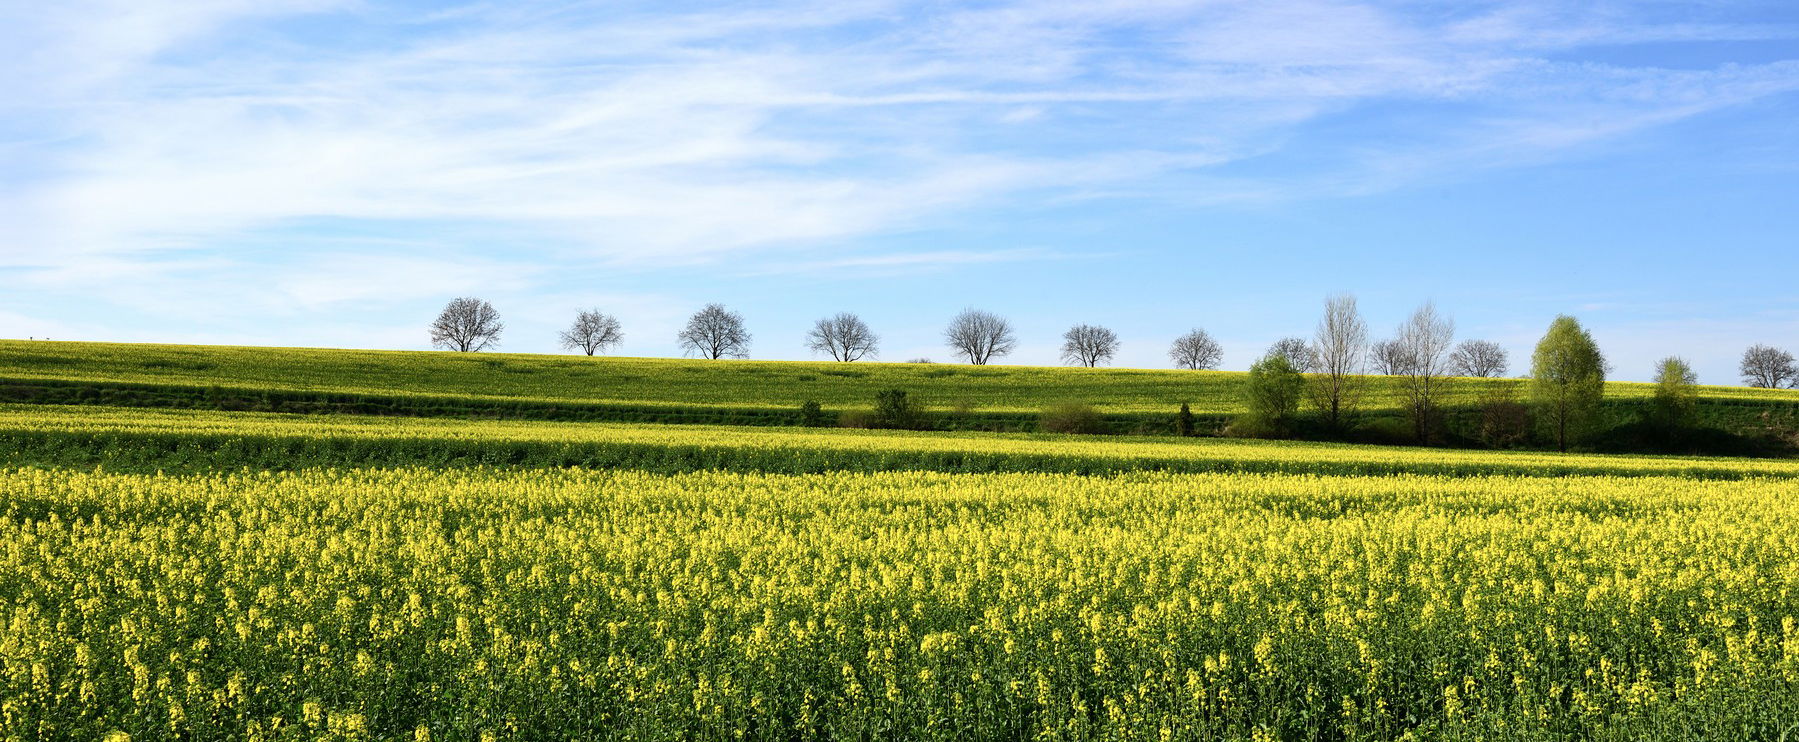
1674	408
856	419
894	410
811	415
1071	417
1183	421
1504	420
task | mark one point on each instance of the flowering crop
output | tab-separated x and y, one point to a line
482	604
156	439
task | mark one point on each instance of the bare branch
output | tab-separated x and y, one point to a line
1478	358
1339	350
845	337
1387	357
979	336
1196	350
467	325
592	332
715	333
1089	345
1767	367
1424	344
1298	354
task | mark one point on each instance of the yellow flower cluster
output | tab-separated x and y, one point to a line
483	604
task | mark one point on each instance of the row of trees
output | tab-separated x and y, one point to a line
1421	352
1566	385
1338	358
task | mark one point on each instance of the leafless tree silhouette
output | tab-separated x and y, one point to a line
715	333
979	336
467	325
593	331
1089	345
845	337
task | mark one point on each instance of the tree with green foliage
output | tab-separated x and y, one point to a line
894	410
1273	395
1567	381
1675	405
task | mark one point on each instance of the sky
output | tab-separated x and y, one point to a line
331	172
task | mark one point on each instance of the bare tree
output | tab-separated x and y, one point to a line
1089	345
1388	358
715	333
1478	358
1767	367
592	332
1339	350
845	337
1298	354
1424	342
467	325
1196	350
979	336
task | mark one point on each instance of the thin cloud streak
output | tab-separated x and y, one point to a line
536	125
176	146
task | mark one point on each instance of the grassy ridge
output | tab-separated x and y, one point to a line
647	382
188	440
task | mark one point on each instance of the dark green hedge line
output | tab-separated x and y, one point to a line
1728	427
198	453
58	392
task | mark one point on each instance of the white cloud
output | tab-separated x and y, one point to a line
911	262
626	135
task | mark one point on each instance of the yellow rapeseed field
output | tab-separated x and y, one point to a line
481	604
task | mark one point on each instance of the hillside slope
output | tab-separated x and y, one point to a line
684	382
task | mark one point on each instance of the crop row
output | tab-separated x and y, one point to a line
150	440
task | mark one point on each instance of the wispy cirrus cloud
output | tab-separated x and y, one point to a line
651	134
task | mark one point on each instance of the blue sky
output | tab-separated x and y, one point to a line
330	172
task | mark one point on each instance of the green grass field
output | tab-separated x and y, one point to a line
684	383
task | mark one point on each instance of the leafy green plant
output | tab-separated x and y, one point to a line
811	414
1272	398
1071	417
894	410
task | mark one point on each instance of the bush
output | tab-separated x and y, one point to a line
811	415
1183	422
1504	420
894	410
1071	417
1673	411
1273	393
